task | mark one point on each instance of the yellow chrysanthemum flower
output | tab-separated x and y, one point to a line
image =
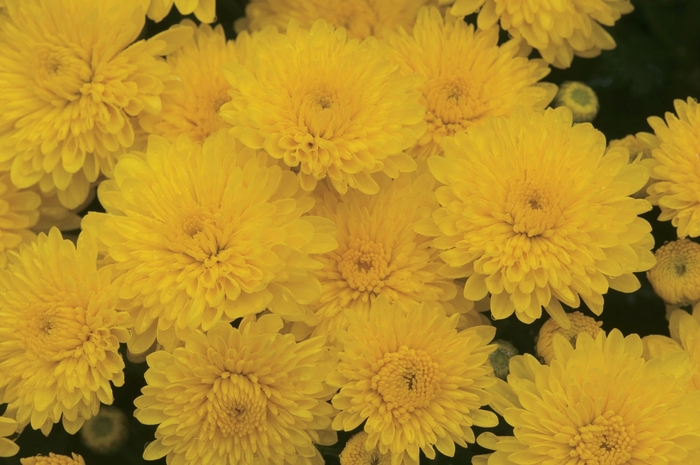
361	18
192	107
378	252
306	101
580	99
600	403
204	10
676	179
580	323
355	453
105	432
59	341
685	332
246	395
676	275
72	81
198	234
468	77
537	213
416	380
499	359
53	459
8	426
18	215
640	147
557	29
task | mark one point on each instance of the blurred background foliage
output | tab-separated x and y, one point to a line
657	60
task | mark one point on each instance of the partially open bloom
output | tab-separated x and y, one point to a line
361	18
246	395
537	213
8	426
579	98
676	177
598	403
59	340
640	147
306	101
105	432
580	323
192	107
557	29
71	83
499	359
676	275
355	453
195	234
204	10
20	213
53	459
378	252
468	76
416	380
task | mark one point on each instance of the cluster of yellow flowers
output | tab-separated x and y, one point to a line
302	229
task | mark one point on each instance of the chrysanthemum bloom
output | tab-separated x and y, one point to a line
8	426
361	18
204	10
198	234
378	252
245	396
468	77
53	459
500	358
557	29
416	380
600	403
537	213
306	101
106	432
579	98
685	331
71	84
676	179
580	323
19	213
192	107
640	147
355	453
676	275
59	340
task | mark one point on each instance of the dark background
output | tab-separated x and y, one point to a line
657	60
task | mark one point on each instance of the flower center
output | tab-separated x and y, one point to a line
606	441
59	73
364	265
532	209
54	332
323	112
199	236
451	104
407	380
236	406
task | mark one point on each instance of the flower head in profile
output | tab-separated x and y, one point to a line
355	453
468	76
557	29
246	395
537	213
676	275
415	381
8	427
306	101
59	341
196	234
598	403
361	18
53	459
73	81
580	323
676	180
378	252
20	213
192	107
203	10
